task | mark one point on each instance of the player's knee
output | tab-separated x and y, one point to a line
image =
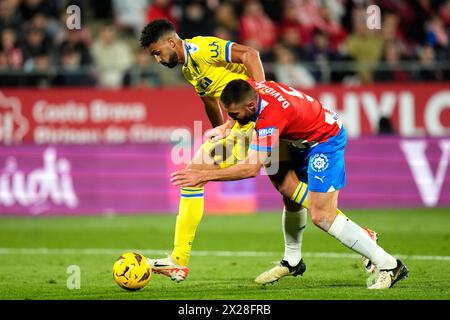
320	216
315	215
290	205
319	220
285	190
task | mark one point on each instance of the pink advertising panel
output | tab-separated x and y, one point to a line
382	172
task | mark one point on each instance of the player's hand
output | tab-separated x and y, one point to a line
215	134
219	132
187	178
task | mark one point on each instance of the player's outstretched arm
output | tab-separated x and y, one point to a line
249	57
249	168
213	111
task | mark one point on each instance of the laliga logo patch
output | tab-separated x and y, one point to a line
191	48
319	162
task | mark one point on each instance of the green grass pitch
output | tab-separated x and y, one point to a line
228	253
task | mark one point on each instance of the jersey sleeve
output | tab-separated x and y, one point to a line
268	130
216	50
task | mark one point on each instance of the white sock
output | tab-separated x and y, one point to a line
354	237
294	224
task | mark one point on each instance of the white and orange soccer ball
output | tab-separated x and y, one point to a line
131	271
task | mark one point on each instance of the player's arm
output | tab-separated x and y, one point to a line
249	57
213	111
215	116
249	168
260	149
238	54
219	51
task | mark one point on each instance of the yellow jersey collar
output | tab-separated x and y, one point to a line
186	54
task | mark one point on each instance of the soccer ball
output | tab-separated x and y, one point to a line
131	271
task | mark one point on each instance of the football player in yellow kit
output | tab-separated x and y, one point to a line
209	64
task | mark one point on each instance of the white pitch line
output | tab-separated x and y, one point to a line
151	252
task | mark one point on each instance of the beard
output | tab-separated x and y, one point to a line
173	61
245	120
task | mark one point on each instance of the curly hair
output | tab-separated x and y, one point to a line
153	31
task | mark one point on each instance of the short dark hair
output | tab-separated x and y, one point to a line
153	31
237	91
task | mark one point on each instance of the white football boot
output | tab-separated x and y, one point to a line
387	278
283	269
168	268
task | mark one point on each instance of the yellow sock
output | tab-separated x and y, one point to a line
190	213
300	196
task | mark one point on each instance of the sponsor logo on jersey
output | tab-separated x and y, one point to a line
266	131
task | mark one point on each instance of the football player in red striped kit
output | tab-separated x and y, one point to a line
298	130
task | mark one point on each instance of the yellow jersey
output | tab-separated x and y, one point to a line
208	65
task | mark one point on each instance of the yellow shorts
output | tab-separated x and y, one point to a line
233	148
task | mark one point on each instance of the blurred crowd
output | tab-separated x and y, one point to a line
301	42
